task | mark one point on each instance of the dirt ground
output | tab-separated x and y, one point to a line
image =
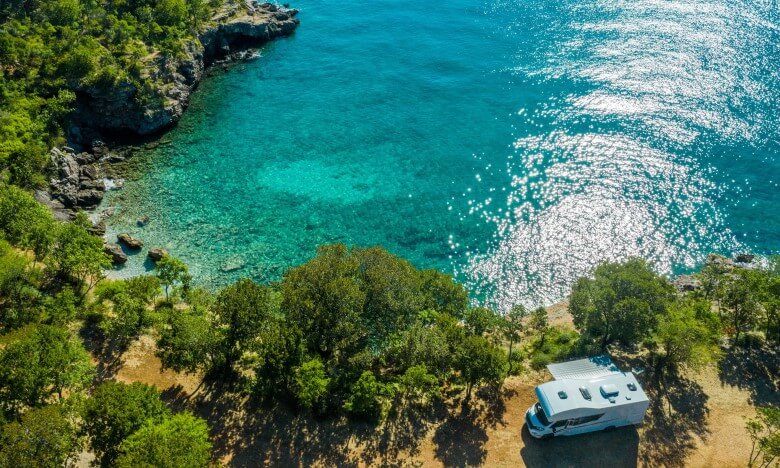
697	421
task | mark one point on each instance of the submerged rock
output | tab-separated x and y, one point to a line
157	254
130	241
115	252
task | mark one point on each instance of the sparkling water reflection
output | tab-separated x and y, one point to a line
513	143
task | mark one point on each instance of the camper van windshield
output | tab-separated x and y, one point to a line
541	416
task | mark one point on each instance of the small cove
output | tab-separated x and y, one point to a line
513	144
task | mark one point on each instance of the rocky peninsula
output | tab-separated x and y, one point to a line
131	111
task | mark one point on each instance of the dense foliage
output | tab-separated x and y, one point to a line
351	330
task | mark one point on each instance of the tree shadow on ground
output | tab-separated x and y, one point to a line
617	448
252	434
754	369
106	351
461	439
676	418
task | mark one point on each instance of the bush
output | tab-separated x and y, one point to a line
310	383
179	441
365	398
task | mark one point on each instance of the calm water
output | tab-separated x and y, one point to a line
512	143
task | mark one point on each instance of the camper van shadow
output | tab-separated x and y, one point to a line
616	448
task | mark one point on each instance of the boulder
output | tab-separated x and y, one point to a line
130	241
744	258
118	257
98	229
142	221
90	172
157	254
89	198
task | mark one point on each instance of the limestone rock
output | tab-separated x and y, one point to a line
115	252
157	254
130	241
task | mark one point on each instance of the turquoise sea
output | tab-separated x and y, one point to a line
512	143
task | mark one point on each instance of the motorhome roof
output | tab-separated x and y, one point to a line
562	398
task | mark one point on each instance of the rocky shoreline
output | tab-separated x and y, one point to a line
82	170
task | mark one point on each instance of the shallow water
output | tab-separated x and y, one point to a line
512	143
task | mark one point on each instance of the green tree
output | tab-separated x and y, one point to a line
61	308
687	336
539	323
480	362
170	12
324	298
418	384
242	312
128	319
19	282
620	303
365	398
280	349
45	362
79	255
480	321
117	410
764	431
441	293
310	383
172	272
24	222
44	437
742	298
512	327
145	288
422	344
181	440
188	343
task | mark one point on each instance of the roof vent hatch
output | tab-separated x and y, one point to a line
609	391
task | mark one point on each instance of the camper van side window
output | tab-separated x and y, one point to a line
560	424
585	420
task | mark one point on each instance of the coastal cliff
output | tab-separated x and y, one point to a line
158	100
137	108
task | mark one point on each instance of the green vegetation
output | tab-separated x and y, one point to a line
115	411
622	302
764	431
43	437
54	50
179	441
353	332
39	366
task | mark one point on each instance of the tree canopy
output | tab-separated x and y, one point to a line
621	302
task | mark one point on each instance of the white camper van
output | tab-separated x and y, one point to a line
587	395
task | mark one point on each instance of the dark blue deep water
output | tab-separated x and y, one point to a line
512	143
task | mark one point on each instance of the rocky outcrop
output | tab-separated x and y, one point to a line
123	107
78	180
